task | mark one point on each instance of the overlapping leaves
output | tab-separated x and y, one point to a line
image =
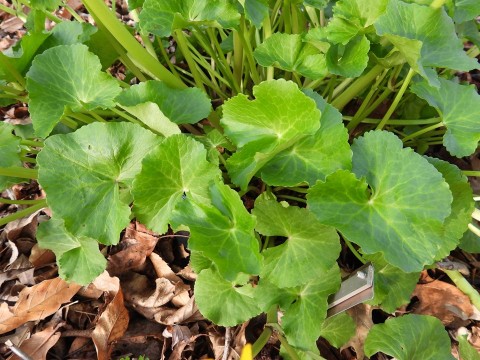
87	176
393	199
280	116
10	150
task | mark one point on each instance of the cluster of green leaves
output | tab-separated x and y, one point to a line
282	71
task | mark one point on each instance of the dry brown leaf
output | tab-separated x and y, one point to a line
20	269
110	327
362	315
134	248
138	291
39	257
103	283
444	301
39	344
236	341
162	269
36	302
187	313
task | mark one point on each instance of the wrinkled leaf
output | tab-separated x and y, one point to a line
182	106
280	116
66	76
79	259
223	232
459	106
314	157
394	199
225	303
176	168
161	17
410	337
87	176
10	153
311	249
434	32
289	52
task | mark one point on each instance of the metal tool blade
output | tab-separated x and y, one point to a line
355	289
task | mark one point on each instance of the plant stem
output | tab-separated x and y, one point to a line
248	52
470	173
422	131
355	252
398	122
464	286
136	52
287	347
20	172
357	87
22	213
397	99
266	333
32	143
20	202
267	32
183	45
7	10
295	198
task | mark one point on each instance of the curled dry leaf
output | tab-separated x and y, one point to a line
187	313
444	301
111	326
39	344
20	269
137	244
362	315
236	343
36	302
39	257
103	283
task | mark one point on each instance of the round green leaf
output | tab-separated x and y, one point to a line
311	249
349	60
10	151
79	259
67	76
315	156
410	337
394	202
225	303
224	232
280	116
289	52
338	329
176	168
86	173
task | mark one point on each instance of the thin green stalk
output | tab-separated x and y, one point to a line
166	58
355	252
20	202
183	45
73	13
474	229
287	19
357	87
32	143
295	198
377	102
136	52
470	173
359	114
11	90
81	117
96	116
247	46
23	213
342	86
148	45
464	286
20	172
7	10
127	117
312	14
287	347
262	340
70	123
422	131
267	32
27	159
295	19
39	21
398	122
397	99
238	59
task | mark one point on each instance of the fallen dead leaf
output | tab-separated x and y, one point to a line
134	248
139	293
444	301
187	313
235	341
110	327
38	345
362	315
36	302
103	283
20	269
39	257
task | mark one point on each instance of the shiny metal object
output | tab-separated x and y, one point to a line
355	289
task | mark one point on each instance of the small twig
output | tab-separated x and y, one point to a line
77	333
226	347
